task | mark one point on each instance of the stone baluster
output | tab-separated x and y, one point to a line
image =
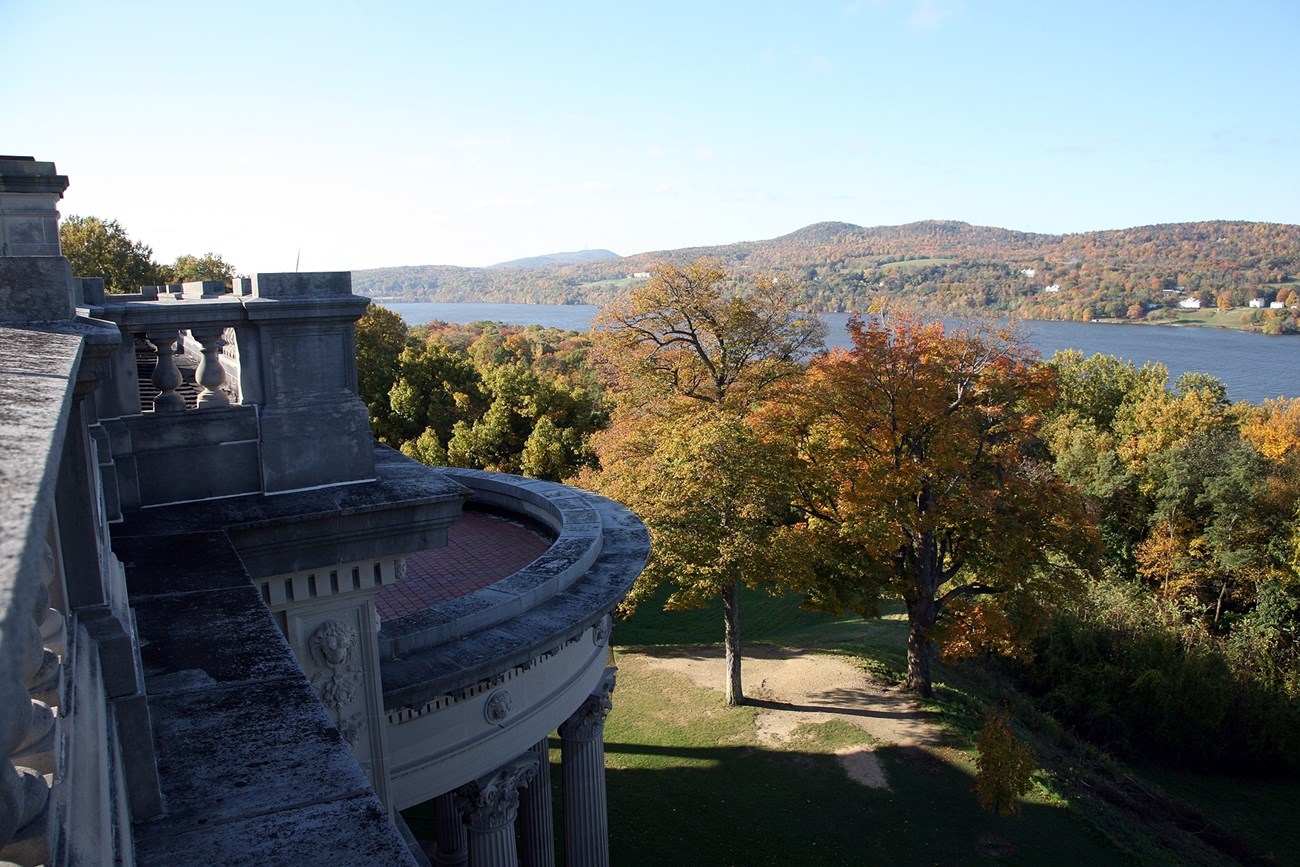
490	805
211	374
452	847
28	737
536	823
44	684
166	375
582	759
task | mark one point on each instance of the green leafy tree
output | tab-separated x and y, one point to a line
381	335
714	496
436	386
1004	768
102	248
209	266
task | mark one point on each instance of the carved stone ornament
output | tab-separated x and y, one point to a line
497	706
601	631
588	721
492	802
333	648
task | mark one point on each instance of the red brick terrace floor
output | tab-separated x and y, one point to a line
481	549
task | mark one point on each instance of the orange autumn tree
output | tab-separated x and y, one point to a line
923	478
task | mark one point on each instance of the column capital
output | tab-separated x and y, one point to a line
588	721
491	802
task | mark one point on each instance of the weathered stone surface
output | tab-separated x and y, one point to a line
354	832
35	289
252	768
222	637
170	564
407	508
303	284
236	750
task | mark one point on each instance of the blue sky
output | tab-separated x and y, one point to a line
367	134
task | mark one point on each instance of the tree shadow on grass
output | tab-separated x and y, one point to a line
741	805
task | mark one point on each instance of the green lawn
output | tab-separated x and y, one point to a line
690	784
909	264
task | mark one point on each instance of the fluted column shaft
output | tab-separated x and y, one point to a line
536	820
489	805
582	744
452	845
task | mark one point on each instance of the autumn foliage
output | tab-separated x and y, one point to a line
922	471
1004	767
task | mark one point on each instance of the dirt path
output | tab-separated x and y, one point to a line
794	688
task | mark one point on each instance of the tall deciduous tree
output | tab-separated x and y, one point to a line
102	248
921	476
688	355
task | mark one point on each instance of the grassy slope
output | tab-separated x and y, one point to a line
709	750
689	784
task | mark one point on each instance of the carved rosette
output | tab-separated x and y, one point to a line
497	707
588	721
335	651
492	802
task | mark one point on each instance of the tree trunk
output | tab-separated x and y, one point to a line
921	615
731	639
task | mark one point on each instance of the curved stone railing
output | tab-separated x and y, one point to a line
570	516
490	674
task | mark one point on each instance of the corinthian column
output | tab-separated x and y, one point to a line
536	825
582	757
489	805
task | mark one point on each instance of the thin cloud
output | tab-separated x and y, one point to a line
930	14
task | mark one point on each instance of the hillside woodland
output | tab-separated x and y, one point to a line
1137	273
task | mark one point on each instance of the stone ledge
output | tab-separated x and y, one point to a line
449	667
252	769
344	833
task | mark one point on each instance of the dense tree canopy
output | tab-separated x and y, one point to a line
102	248
922	475
944	467
485	395
209	266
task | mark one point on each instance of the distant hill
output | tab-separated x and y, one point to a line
572	258
1119	273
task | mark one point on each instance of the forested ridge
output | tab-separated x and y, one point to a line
1123	273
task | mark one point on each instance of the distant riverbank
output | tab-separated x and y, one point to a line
1252	366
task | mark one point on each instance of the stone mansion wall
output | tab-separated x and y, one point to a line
195	524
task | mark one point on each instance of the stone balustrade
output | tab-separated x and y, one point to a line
272	406
42	393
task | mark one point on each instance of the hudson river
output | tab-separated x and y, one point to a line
1252	366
